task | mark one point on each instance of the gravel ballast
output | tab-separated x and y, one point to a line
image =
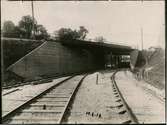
95	102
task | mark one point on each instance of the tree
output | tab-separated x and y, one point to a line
65	33
100	39
68	33
17	32
41	32
26	26
82	32
24	29
8	29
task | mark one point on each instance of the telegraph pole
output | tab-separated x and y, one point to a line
142	33
33	26
2	63
2	71
141	38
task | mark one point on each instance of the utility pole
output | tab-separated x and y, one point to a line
33	26
2	70
141	31
141	38
2	63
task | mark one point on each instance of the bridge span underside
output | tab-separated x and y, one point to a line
55	58
113	55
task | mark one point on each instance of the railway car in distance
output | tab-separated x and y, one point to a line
124	61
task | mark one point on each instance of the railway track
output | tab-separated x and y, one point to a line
123	109
49	106
27	83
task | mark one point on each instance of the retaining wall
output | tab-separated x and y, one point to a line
54	59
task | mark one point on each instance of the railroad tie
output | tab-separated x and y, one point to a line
119	106
115	93
92	114
127	122
114	90
119	100
122	112
87	113
100	115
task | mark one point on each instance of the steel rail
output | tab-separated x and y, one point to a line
70	99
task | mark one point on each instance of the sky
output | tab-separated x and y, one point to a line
117	21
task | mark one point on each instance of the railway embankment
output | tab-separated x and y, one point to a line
143	98
153	72
155	69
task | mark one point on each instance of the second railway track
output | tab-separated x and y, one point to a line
49	106
123	107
